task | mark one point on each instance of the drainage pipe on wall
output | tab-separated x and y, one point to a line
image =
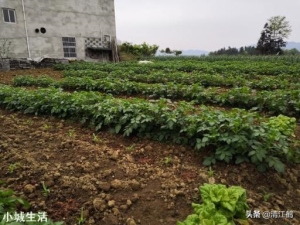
26	32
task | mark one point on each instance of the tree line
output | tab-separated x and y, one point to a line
271	41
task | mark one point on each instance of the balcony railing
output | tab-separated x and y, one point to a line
103	43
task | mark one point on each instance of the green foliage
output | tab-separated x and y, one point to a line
46	191
142	50
267	196
81	219
247	50
130	148
236	135
292	52
96	139
272	37
274	102
168	51
12	167
46	126
71	133
9	202
225	65
279	27
167	160
210	172
221	206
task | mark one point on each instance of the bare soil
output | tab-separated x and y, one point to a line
119	180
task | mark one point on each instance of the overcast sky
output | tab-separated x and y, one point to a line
201	24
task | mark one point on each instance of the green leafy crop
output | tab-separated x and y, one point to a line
221	206
235	135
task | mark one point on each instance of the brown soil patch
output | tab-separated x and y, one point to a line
7	77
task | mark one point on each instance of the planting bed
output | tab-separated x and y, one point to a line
132	180
83	171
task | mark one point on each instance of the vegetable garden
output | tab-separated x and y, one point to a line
230	112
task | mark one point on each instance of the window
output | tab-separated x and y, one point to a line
9	15
69	45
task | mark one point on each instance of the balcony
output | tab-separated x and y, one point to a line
103	43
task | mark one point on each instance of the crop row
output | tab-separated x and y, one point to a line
226	58
276	102
206	80
234	135
230	67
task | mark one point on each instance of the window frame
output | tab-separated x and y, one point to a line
69	44
9	15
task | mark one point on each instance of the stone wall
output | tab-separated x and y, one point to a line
17	64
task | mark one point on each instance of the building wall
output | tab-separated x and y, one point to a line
15	33
68	18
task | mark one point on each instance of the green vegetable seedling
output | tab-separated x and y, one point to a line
12	167
96	139
210	172
71	133
46	191
167	160
81	219
130	148
46	126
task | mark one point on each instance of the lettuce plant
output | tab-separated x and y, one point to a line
221	206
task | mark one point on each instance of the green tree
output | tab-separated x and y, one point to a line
138	51
292	51
169	51
242	50
279	27
272	36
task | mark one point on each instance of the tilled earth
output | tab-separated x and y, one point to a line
117	180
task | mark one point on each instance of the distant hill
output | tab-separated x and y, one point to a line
194	52
292	44
190	52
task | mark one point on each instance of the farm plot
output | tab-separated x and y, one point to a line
273	102
133	176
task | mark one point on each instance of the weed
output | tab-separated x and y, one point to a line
167	160
130	148
46	191
267	196
29	122
96	139
46	126
81	219
12	167
210	172
71	133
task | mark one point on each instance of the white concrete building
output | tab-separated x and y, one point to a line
82	29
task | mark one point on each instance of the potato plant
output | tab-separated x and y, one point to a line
276	102
235	135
